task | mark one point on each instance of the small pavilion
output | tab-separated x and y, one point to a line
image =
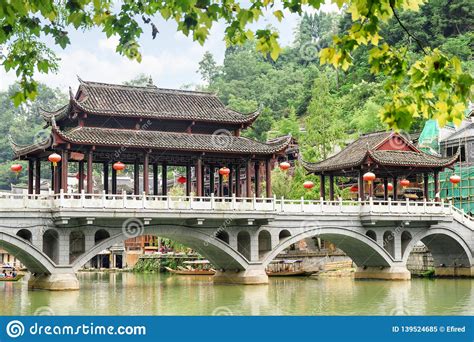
146	127
390	156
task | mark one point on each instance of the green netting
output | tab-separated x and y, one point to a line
428	140
462	194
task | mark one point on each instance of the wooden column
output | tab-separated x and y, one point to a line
231	180
395	188
53	178
64	170
114	181
31	166
257	179
425	186
385	188
238	192
90	181
331	187
436	186
146	178
212	174
248	179
136	177
361	186
155	179
81	175
268	177
322	186
188	180
203	180
106	177
38	176
221	186
199	182
164	179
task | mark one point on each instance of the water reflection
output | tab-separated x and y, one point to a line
160	294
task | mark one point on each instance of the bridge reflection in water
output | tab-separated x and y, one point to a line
161	294
56	234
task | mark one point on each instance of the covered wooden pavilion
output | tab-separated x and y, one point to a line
150	128
388	155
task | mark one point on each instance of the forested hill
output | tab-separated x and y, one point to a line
296	92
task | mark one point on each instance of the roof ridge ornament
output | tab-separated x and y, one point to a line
150	82
80	79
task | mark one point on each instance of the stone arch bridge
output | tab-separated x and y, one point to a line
56	234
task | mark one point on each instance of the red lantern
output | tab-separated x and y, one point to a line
284	166
16	168
118	166
390	186
369	177
455	179
224	171
181	179
54	158
404	183
308	185
354	189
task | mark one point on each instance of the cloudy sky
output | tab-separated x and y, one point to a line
171	59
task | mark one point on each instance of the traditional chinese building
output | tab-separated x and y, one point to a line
390	157
148	128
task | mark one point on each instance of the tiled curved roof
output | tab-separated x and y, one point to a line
356	152
170	140
150	102
19	150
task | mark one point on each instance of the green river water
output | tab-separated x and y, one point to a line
162	294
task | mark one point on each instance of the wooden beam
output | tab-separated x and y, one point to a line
146	176
38	176
136	177
64	169
81	176
188	180
31	166
248	179
164	179
155	179
268	177
90	181
106	177
257	178
199	182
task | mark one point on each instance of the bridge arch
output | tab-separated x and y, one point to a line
218	252
446	246
35	260
359	247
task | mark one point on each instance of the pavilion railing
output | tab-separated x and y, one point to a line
144	201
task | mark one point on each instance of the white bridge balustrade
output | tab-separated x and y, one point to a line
213	203
231	232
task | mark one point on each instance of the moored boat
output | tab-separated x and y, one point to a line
286	268
196	267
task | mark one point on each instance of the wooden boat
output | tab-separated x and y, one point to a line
286	268
18	277
196	267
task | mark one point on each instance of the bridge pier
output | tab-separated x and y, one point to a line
451	271
54	282
246	277
383	273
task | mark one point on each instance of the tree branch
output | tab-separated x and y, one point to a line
418	42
